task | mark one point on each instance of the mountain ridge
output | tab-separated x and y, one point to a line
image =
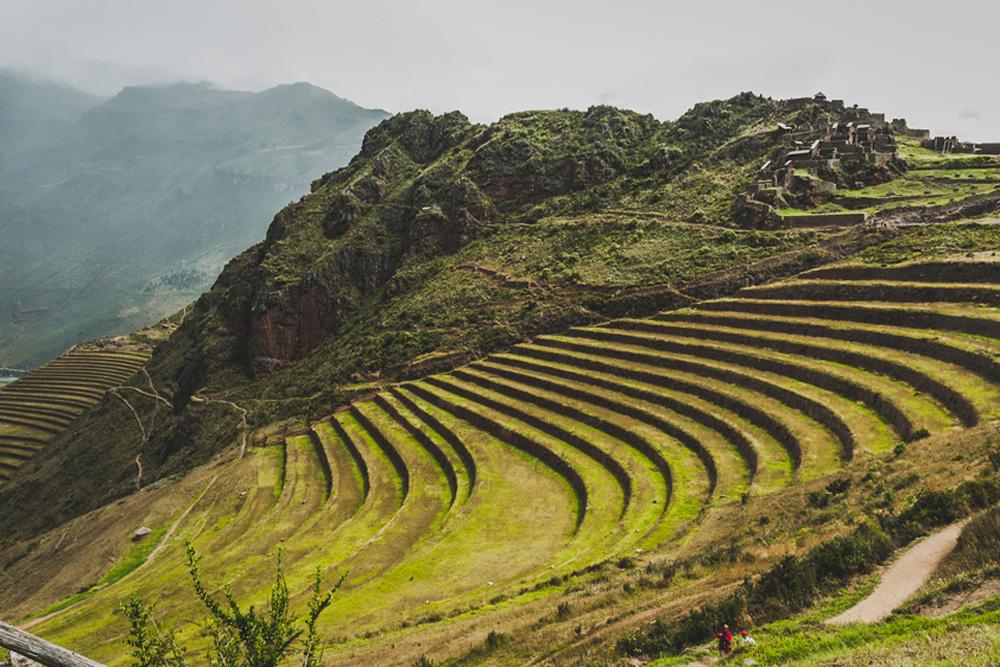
196	169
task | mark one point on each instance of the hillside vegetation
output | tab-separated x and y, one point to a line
530	389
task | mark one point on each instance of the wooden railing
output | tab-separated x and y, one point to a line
39	650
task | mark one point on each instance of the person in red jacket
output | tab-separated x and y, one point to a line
725	640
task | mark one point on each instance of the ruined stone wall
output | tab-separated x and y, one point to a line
825	220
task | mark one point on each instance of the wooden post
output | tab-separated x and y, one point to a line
39	650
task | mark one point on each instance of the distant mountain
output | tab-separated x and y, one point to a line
116	212
33	109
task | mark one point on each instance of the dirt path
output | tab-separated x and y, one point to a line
902	579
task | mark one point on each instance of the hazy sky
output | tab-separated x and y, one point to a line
935	62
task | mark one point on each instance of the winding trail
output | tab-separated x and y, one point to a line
244	425
903	578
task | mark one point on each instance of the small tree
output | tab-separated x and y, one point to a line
240	638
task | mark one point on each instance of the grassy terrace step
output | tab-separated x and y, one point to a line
347	485
35	411
652	385
865	358
580	403
416	520
74	377
422	466
22	441
123	366
683	416
58	413
19	393
930	272
15	450
27	403
425	441
16	453
388	449
416	504
508	480
510	529
618	450
300	516
511	437
31	423
576	410
366	496
77	379
817	290
976	362
822	417
438	428
340	433
802	370
653	482
31	381
383	476
90	394
547	425
86	372
958	319
326	465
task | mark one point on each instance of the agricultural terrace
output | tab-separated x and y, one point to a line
480	490
43	402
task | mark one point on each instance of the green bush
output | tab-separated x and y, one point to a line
496	639
244	638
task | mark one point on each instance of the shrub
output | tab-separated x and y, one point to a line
840	485
819	499
563	611
496	639
625	563
239	637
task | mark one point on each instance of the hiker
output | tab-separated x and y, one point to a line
725	640
748	641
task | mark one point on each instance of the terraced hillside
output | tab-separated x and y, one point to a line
463	501
45	401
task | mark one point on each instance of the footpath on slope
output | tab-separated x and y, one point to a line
903	578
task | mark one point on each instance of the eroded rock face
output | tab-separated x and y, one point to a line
288	331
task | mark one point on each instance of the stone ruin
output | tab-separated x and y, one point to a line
805	175
954	145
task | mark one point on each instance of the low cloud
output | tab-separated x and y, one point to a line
970	114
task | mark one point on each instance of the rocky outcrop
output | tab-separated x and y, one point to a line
424	186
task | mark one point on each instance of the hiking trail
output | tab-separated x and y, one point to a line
903	578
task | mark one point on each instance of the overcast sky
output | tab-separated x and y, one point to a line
935	62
